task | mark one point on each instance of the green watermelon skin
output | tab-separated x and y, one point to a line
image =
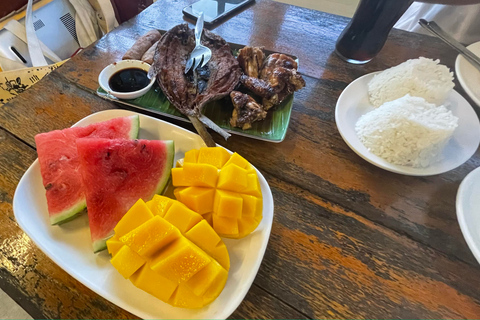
59	163
116	173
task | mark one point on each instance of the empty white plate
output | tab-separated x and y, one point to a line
468	75
70	247
354	102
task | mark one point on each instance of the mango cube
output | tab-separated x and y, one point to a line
200	174
229	199
238	160
191	156
114	245
182	217
253	185
228	204
232	178
196	198
160	258
226	227
252	206
185	298
153	282
180	261
126	261
216	156
159	205
220	254
135	216
149	237
203	234
203	279
178	177
246	226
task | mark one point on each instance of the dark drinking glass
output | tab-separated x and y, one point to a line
365	35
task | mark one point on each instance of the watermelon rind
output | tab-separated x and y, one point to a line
135	126
69	214
170	145
100	245
77	208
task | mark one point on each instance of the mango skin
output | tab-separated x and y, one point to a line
171	252
230	198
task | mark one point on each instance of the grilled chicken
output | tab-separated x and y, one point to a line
246	110
260	87
280	71
251	60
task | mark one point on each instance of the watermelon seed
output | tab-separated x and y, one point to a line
48	186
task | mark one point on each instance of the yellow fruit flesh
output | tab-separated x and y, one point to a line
216	156
127	261
234	205
177	258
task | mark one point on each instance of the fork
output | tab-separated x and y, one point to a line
437	31
200	51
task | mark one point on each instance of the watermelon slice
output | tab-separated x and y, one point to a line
59	165
118	172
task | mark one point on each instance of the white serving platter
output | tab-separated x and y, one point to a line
70	247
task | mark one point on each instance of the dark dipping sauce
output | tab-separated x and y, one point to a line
128	80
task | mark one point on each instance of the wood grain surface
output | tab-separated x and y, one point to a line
349	240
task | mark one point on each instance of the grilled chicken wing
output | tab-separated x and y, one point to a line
260	87
281	72
246	110
251	60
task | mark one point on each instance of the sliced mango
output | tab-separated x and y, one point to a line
228	204
234	204
151	236
159	205
216	156
232	178
197	198
114	245
175	255
153	283
182	217
191	156
135	216
127	261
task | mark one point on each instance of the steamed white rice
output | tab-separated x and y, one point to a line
407	131
420	77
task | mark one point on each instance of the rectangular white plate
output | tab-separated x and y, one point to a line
70	247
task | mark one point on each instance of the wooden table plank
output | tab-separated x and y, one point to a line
329	262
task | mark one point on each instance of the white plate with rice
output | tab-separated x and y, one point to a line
468	75
354	102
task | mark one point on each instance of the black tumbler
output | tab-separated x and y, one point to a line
367	32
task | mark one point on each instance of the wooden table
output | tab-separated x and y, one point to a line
349	240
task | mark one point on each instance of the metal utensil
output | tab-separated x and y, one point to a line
200	52
436	30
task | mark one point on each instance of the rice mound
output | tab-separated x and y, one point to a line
407	131
420	77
